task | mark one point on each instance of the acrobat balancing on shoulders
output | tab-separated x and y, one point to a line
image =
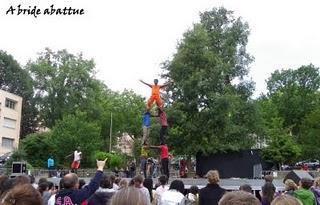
155	94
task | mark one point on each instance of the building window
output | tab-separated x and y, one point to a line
10	103
9	123
7	142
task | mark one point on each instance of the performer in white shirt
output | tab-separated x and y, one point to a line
76	160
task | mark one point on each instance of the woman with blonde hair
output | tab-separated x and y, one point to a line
290	187
129	196
286	200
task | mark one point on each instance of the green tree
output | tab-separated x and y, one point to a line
16	80
309	137
73	131
126	108
296	88
210	107
281	148
64	83
38	148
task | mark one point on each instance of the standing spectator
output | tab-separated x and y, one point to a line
123	184
138	183
316	189
129	196
192	197
290	187
212	193
148	183
53	196
71	194
103	195
268	191
304	194
239	198
50	166
174	196
164	155
132	169
246	187
23	194
113	181
161	189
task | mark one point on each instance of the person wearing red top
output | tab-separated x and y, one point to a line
164	155
155	94
164	124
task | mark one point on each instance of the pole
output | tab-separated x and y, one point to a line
110	133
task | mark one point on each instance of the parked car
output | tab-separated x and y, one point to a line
5	157
311	163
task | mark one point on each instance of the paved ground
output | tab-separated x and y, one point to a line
229	184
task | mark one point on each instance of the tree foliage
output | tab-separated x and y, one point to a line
16	80
293	96
211	108
64	83
73	131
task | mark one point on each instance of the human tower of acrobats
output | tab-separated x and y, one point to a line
164	153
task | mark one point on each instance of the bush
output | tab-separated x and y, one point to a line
114	159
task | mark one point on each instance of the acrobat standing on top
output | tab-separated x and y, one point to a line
155	94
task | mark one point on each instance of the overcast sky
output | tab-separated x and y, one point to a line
128	39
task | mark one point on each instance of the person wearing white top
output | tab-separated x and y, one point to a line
173	196
161	189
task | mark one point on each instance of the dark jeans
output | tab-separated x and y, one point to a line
163	133
165	166
143	166
51	171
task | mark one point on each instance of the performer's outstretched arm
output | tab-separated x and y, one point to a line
165	85
145	83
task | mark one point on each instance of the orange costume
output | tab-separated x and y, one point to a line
155	96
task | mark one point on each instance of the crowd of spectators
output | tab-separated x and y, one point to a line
108	190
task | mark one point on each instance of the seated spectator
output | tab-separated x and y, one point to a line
286	200
138	183
268	191
71	194
316	189
303	193
23	194
212	193
246	187
103	195
192	197
239	198
129	196
173	196
161	188
290	187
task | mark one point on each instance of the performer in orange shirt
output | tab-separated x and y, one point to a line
155	94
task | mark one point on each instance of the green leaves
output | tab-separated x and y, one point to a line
209	112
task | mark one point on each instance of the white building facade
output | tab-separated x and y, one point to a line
10	119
